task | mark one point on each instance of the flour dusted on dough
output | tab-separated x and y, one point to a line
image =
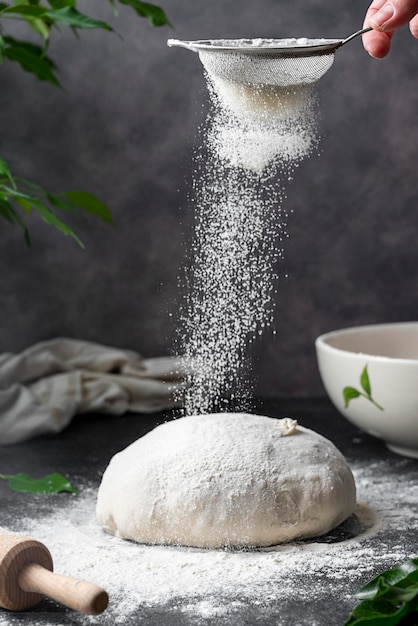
227	479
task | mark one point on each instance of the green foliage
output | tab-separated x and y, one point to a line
53	483
18	196
389	599
19	193
154	14
43	18
30	57
350	393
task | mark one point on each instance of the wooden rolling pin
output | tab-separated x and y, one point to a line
26	576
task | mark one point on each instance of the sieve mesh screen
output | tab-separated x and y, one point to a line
266	69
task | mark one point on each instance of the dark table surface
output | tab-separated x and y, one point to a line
84	449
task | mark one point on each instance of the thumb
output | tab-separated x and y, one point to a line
394	14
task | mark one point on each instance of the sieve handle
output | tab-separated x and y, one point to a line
354	35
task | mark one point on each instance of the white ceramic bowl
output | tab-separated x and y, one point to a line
371	375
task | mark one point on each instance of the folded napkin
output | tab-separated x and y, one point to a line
43	387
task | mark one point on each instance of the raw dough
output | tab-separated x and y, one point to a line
227	479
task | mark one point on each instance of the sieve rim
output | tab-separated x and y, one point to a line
274	47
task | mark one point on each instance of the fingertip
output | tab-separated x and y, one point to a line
377	52
377	44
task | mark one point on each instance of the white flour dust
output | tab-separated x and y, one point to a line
262	128
254	138
216	585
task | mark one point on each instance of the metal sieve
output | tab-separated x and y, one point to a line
275	62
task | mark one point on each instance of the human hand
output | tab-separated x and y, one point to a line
386	16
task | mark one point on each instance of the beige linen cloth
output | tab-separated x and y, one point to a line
43	387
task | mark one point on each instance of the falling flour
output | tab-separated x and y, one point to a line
254	138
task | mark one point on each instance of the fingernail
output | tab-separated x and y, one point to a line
383	16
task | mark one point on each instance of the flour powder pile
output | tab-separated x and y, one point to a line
254	138
226	480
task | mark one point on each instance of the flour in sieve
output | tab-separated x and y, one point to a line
262	125
214	586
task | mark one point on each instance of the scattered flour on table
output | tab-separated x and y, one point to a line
204	585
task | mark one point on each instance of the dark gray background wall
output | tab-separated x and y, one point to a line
125	128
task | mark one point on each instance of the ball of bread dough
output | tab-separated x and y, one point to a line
228	479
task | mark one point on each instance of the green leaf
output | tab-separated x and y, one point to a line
350	393
24	10
90	204
40	26
377	613
6	173
12	216
365	382
155	14
45	213
53	220
25	204
7	211
392	577
31	58
61	13
113	5
59	203
69	16
60	4
388	598
53	483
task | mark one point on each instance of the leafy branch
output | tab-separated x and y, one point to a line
53	483
389	598
350	393
19	193
18	196
153	13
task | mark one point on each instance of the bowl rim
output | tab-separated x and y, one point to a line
322	341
